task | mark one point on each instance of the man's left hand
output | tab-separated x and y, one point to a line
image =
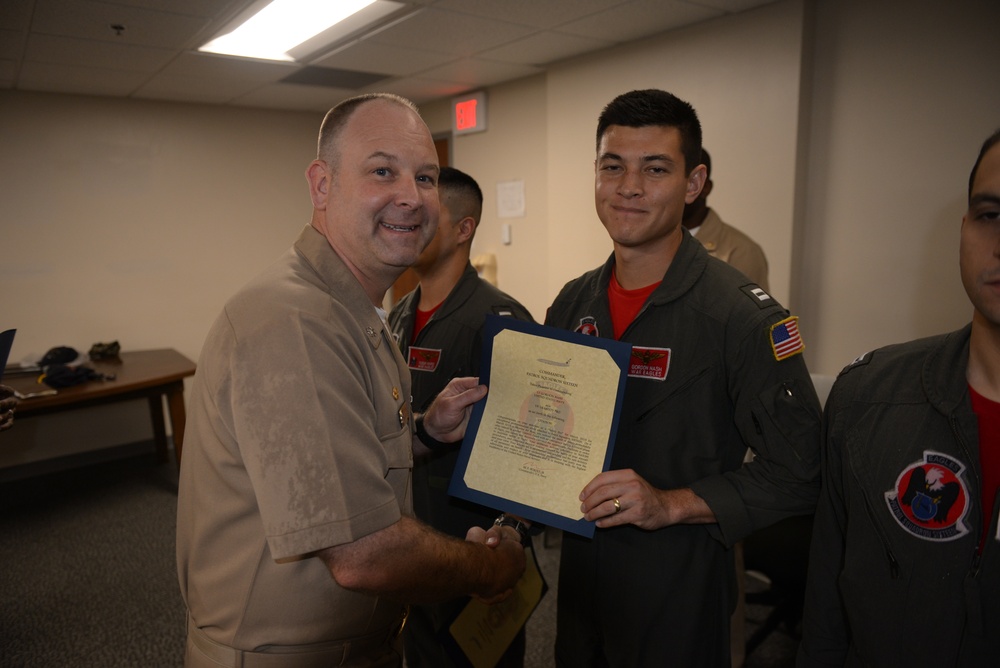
615	498
448	415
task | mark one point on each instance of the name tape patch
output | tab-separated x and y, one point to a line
423	359
652	363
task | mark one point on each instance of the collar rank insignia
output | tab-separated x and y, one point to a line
785	338
930	499
758	295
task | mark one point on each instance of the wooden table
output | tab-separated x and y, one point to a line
149	374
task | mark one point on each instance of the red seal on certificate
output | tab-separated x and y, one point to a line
547	418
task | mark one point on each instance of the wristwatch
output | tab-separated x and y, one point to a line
428	440
517	525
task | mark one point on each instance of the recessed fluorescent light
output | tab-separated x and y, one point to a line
282	25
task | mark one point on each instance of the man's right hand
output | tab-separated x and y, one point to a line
508	562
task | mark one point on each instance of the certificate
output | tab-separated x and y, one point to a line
547	424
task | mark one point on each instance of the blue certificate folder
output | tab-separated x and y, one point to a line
6	343
619	353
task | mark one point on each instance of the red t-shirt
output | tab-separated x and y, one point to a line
988	413
420	319
626	304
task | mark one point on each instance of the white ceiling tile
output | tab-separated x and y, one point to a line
206	8
450	32
729	6
110	55
544	47
78	79
93	20
371	56
529	12
638	18
447	48
221	68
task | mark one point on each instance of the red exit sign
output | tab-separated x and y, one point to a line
468	113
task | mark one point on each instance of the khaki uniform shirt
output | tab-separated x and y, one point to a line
298	439
734	248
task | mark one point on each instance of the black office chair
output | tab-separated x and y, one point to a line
781	554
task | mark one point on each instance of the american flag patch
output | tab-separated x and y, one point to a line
785	338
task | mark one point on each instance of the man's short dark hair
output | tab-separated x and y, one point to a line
642	108
454	179
990	142
463	185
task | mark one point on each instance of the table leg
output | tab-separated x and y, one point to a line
159	426
178	418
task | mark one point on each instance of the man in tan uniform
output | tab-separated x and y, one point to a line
296	544
721	240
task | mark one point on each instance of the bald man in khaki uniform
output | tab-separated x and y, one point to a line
296	544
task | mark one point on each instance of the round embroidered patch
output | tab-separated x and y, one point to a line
931	499
588	326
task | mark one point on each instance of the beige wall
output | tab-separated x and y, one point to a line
135	220
512	149
541	131
903	95
742	76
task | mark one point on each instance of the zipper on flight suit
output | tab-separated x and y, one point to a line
973	601
890	557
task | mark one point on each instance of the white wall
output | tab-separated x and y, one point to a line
741	74
904	94
512	149
136	220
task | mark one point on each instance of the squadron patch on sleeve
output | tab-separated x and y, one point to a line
785	338
930	499
423	359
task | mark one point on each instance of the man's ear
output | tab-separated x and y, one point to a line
318	176
706	189
466	229
695	183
